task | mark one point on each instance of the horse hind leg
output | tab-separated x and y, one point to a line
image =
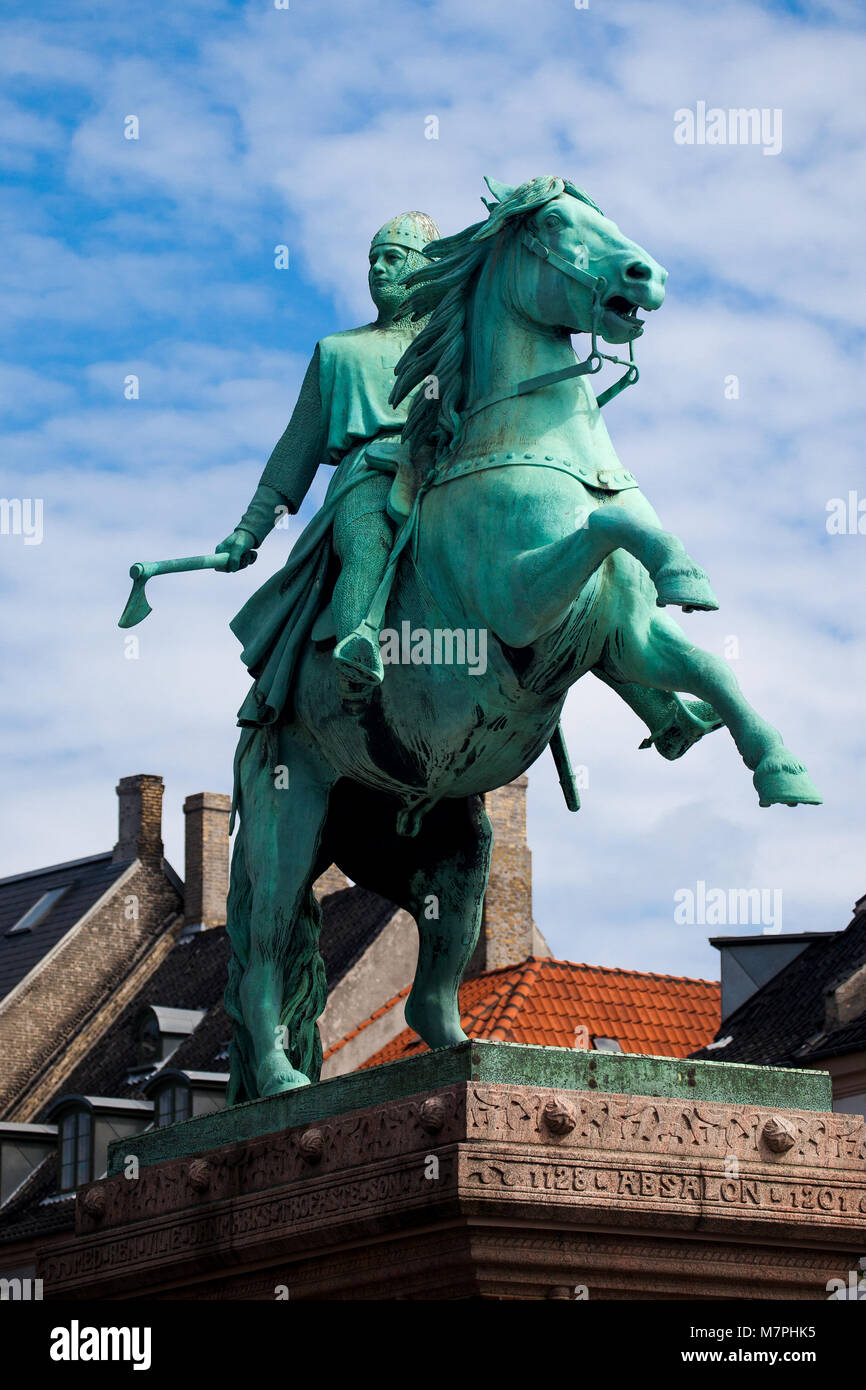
446	896
657	653
439	876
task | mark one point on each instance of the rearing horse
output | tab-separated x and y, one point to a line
525	527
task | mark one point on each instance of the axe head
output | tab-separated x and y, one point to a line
137	607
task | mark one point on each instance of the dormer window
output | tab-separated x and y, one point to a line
87	1125
22	1148
172	1104
76	1149
160	1031
179	1095
39	910
149	1040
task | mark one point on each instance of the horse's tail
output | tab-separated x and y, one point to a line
238	910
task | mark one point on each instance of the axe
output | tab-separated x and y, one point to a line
137	607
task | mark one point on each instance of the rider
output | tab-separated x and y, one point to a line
342	406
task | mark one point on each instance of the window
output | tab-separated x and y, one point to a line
607	1044
39	911
149	1039
172	1105
75	1149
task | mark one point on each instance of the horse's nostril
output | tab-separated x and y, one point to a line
638	271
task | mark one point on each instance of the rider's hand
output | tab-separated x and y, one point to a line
240	547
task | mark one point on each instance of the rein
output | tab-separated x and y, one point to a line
592	363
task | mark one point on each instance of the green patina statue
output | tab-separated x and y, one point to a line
343	404
479	534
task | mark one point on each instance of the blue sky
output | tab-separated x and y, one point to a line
307	127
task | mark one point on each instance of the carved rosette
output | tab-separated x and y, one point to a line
199	1174
93	1202
432	1115
559	1116
312	1145
779	1134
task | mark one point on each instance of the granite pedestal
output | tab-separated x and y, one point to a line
486	1170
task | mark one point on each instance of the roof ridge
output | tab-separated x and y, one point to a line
619	970
56	868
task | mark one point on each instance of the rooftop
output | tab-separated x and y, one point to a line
784	1022
557	1003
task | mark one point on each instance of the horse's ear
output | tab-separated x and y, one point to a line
500	191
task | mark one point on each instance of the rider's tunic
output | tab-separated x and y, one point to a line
342	406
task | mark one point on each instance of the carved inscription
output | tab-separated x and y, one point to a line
577	1180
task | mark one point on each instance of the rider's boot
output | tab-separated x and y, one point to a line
689	721
359	667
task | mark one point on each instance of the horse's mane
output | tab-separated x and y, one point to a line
443	290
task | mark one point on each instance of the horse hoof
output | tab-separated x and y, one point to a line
686	587
273	1078
780	780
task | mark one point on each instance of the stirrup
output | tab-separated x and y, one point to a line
360	657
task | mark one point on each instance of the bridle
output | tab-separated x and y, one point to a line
592	363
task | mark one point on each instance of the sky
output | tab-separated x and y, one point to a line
307	127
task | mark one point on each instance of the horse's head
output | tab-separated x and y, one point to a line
582	264
546	253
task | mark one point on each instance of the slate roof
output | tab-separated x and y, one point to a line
192	976
352	918
782	1023
543	1002
87	878
27	1213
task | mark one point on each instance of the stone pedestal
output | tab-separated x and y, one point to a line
487	1170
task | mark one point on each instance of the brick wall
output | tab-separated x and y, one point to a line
507	935
139	818
39	1021
206	867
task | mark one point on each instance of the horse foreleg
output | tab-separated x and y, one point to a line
657	653
282	989
540	585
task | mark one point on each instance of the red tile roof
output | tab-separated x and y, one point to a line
546	1002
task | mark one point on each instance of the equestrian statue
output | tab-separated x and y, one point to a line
476	495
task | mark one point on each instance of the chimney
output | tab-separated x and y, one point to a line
846	1001
139	819
508	933
206	854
